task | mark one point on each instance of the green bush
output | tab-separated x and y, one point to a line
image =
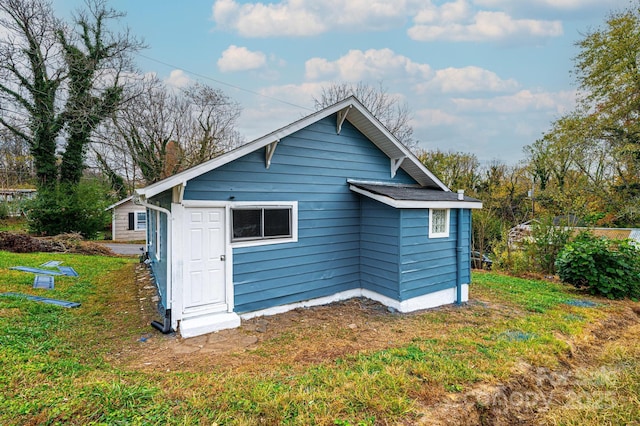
606	267
4	210
66	209
545	243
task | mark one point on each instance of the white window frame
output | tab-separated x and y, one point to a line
293	205
432	233
137	223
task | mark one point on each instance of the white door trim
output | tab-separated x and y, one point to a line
227	305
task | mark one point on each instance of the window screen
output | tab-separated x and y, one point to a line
261	223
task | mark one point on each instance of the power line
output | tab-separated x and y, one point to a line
223	83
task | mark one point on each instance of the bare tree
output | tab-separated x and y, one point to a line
160	132
212	116
390	110
16	164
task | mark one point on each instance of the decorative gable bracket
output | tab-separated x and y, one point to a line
395	165
342	115
269	150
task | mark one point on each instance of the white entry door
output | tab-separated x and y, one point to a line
204	271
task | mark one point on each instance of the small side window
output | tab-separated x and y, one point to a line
438	223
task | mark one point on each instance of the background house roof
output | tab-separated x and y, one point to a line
114	205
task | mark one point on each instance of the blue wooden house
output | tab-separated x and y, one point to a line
328	208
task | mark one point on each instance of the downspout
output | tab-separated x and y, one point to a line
165	326
459	251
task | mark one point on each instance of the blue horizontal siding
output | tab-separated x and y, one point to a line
430	264
310	166
379	248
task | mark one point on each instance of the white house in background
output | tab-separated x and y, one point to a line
128	221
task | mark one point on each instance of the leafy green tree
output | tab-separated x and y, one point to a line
58	82
31	79
457	170
94	60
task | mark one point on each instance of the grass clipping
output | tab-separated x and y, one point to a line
63	243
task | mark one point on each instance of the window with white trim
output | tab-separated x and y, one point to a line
141	221
257	223
438	223
263	223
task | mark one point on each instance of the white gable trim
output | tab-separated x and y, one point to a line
112	206
359	116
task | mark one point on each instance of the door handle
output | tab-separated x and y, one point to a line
223	257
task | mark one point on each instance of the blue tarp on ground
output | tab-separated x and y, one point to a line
68	271
36	270
43	281
63	303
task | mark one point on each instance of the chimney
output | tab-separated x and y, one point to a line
460	194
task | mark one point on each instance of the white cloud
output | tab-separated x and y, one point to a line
557	5
456	22
522	101
467	79
295	18
178	78
385	65
266	20
373	64
240	59
430	117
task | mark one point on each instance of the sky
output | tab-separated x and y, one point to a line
486	77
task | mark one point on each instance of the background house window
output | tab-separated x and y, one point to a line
438	223
137	221
141	221
260	223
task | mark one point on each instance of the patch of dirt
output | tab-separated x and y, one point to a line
321	334
18	242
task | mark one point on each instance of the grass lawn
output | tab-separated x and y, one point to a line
529	349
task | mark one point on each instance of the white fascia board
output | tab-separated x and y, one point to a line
414	204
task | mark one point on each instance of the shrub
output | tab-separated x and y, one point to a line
4	210
545	243
79	209
606	267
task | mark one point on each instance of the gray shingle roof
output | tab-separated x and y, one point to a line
412	193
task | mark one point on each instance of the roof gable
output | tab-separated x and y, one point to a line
349	109
119	203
